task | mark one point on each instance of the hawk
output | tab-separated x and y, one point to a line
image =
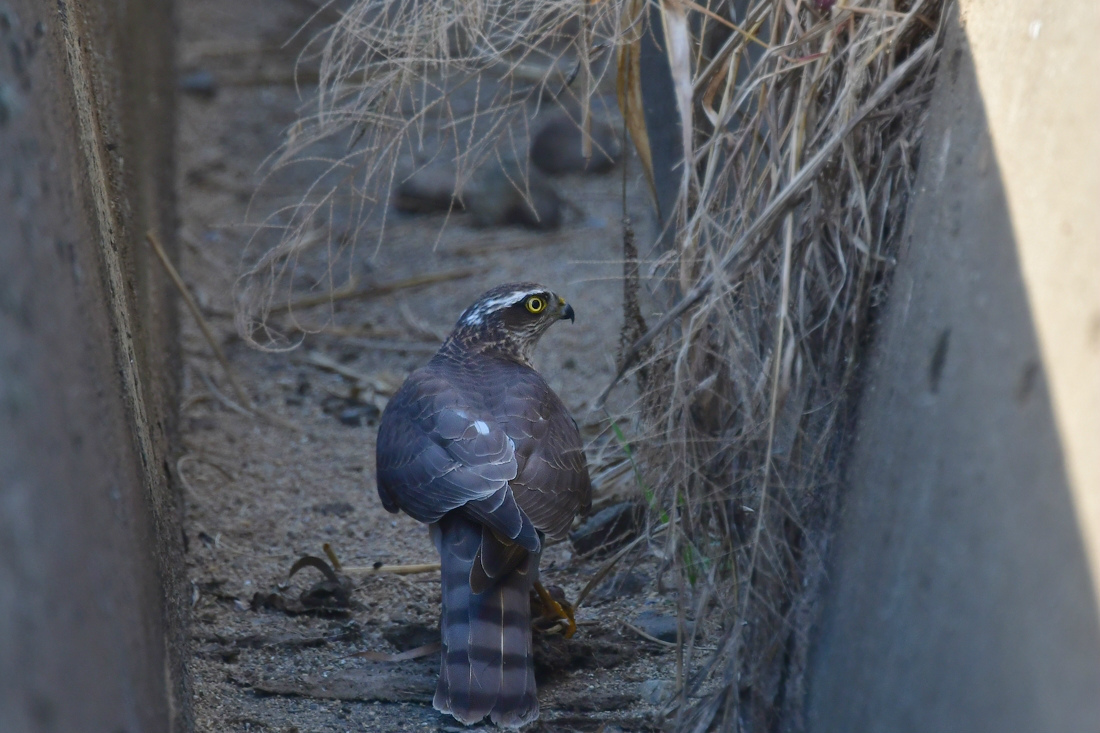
476	445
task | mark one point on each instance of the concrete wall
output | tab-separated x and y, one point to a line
962	594
90	626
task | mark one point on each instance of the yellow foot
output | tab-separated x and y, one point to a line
556	611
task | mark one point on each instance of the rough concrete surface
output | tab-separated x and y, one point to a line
1043	113
960	596
89	617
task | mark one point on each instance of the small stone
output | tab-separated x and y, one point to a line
513	193
661	627
428	190
621	585
200	83
350	411
357	416
337	508
608	529
9	103
557	147
407	636
657	692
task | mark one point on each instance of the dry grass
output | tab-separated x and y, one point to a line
430	81
803	123
806	127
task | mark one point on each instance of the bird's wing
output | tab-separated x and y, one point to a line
552	482
439	451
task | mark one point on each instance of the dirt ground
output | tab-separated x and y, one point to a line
259	494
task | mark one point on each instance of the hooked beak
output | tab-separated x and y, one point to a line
567	312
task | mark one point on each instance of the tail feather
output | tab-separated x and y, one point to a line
487	666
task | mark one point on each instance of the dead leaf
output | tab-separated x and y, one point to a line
629	84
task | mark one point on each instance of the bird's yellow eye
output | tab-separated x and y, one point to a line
535	304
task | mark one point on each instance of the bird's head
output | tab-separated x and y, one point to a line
509	319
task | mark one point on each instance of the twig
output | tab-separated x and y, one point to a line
376	291
253	412
607	566
649	637
309	561
413	347
523	243
220	397
173	274
662	642
429	567
328	364
417	653
419	328
331	555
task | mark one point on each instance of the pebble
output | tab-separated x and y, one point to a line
608	529
621	585
428	190
513	193
200	83
557	148
498	194
659	626
357	416
337	508
657	692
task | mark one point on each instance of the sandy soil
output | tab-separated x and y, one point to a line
259	494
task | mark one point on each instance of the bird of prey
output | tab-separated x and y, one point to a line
477	445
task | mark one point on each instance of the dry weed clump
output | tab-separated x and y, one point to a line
802	122
805	127
427	81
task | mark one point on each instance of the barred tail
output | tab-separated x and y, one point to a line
487	666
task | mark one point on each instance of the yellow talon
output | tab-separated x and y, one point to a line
562	611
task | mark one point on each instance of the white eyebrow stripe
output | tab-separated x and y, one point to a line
505	300
477	315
